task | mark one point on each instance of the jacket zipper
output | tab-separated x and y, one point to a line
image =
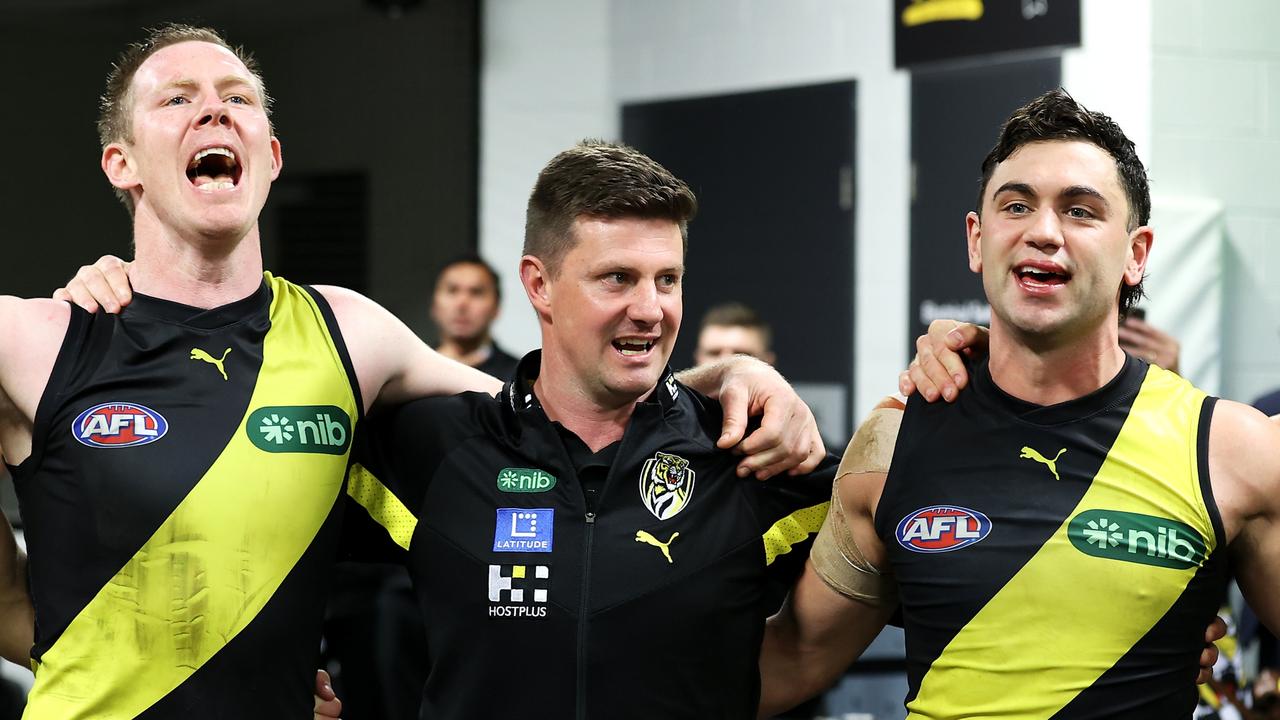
582	617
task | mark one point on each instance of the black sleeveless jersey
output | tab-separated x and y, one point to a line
180	508
1060	561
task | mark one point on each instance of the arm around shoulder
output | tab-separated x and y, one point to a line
1244	468
391	362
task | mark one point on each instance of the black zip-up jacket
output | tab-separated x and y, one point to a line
557	583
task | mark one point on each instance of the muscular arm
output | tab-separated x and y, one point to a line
788	437
820	630
1244	467
18	627
34	331
812	640
392	363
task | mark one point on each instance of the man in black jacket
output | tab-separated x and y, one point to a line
580	546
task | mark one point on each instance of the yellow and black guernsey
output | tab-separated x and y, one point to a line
181	508
1055	562
632	582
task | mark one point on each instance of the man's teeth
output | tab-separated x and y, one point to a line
212	151
631	347
215	185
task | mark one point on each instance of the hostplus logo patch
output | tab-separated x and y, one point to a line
518	590
300	429
525	480
1136	538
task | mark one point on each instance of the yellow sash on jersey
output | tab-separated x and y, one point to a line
1067	617
220	556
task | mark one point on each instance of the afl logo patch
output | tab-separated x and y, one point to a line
942	528
119	424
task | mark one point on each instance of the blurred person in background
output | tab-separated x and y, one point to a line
1142	339
465	302
733	328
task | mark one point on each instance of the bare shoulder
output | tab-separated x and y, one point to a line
30	326
349	304
865	464
1244	465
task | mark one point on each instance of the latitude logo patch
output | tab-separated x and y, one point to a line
300	429
518	590
1137	538
666	485
119	424
524	530
525	480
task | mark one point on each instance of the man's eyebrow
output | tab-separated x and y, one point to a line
1076	191
1015	187
222	82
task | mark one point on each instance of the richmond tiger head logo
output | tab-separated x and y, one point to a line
666	484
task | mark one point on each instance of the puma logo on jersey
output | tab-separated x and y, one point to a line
198	354
644	537
1030	454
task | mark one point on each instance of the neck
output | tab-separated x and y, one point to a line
598	423
1047	373
468	351
201	272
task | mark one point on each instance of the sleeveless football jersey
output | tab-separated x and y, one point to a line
180	507
1060	561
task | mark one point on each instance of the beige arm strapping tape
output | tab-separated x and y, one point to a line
836	556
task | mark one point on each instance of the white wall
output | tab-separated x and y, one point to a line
544	86
1216	134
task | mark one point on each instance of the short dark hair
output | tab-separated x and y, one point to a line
115	107
736	314
1056	115
470	259
604	180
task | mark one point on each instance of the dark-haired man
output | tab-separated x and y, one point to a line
180	481
1058	536
580	546
464	303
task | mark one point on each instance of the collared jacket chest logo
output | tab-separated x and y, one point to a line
666	484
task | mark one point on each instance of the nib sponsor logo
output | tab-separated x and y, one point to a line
518	590
525	480
300	429
1136	538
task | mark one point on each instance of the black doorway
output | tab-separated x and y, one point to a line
773	172
956	115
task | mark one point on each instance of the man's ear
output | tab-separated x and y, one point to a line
277	157
537	284
118	166
973	231
1140	242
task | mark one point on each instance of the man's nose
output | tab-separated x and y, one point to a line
645	307
214	112
1045	231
